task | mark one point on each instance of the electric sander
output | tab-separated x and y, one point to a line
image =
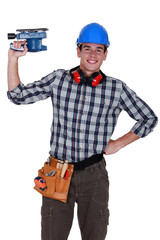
32	36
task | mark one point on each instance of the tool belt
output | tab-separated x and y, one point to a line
54	179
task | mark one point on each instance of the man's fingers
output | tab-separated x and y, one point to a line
18	44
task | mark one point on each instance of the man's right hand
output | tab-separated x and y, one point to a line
16	54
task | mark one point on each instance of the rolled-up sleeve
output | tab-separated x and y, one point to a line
32	92
146	120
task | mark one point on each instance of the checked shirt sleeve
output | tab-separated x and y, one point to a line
32	92
139	111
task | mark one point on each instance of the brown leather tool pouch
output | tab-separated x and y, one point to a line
56	186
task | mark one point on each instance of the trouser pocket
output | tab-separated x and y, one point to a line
104	215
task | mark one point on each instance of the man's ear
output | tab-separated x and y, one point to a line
78	52
105	55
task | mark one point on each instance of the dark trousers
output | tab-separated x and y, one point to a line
90	190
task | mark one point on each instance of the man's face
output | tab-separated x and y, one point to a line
91	57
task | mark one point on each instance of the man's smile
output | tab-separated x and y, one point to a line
92	61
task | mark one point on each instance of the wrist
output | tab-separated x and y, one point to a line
12	56
12	59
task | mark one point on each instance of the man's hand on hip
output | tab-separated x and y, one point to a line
114	146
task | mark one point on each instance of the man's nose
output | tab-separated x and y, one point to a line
92	53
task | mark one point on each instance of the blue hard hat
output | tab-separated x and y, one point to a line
93	33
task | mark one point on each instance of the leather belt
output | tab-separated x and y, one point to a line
87	162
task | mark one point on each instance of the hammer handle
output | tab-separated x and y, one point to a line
65	167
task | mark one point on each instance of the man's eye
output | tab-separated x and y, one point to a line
99	50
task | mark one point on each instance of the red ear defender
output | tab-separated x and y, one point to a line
95	80
76	77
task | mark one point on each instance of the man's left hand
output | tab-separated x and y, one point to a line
112	147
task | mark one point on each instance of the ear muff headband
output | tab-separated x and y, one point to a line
80	78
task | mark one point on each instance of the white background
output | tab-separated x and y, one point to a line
133	57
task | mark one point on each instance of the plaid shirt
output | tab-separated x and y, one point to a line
85	117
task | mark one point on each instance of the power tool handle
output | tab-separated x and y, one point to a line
15	49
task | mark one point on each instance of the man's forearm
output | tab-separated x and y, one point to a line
115	145
127	139
13	75
13	56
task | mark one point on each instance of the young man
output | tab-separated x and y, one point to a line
86	105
